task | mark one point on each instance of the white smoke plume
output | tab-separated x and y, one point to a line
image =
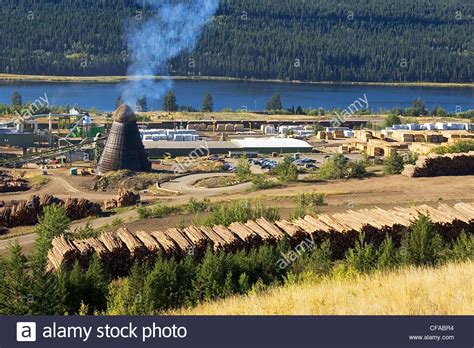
174	27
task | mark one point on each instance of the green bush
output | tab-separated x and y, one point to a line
333	168
243	171
259	182
157	211
287	171
357	169
463	248
194	206
387	255
462	146
394	164
422	246
239	211
391	120
362	258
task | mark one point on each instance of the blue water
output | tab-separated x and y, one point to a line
249	95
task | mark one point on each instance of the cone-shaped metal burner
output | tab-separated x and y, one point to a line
124	148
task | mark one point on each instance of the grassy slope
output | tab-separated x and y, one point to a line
412	291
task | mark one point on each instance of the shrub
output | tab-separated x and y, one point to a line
259	182
387	255
391	120
194	206
463	248
157	211
239	211
243	171
423	245
362	258
462	146
287	171
357	169
394	164
333	168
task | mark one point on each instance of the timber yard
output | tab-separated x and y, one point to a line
104	168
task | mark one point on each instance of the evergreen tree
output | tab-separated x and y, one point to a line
387	256
394	164
274	103
287	171
17	99
161	286
169	102
423	245
142	104
52	223
16	296
208	103
391	120
118	101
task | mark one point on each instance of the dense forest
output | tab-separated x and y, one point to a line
312	40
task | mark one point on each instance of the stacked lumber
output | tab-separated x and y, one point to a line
26	213
118	250
455	164
9	183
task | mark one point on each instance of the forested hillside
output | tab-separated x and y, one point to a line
317	40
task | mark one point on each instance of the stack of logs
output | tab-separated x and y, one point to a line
26	213
9	183
125	198
118	250
442	165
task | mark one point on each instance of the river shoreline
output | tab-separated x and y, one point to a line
117	79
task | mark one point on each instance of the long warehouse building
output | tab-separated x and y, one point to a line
157	149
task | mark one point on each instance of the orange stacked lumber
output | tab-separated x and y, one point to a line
466	209
317	223
138	250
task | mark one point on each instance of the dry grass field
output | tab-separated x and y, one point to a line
447	290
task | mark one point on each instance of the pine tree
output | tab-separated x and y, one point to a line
387	256
274	103
208	103
142	104
16	296
423	245
118	101
394	164
169	102
161	286
53	222
17	99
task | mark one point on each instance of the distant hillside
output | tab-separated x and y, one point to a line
349	40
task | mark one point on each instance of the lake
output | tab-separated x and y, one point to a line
251	95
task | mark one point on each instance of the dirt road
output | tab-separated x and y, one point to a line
341	194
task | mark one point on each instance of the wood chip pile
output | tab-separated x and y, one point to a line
9	183
455	164
26	213
118	250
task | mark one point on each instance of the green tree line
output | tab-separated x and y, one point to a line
357	40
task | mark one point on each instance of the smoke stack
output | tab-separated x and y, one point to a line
124	148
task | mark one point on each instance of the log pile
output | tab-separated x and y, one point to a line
26	213
124	198
455	164
118	250
9	183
